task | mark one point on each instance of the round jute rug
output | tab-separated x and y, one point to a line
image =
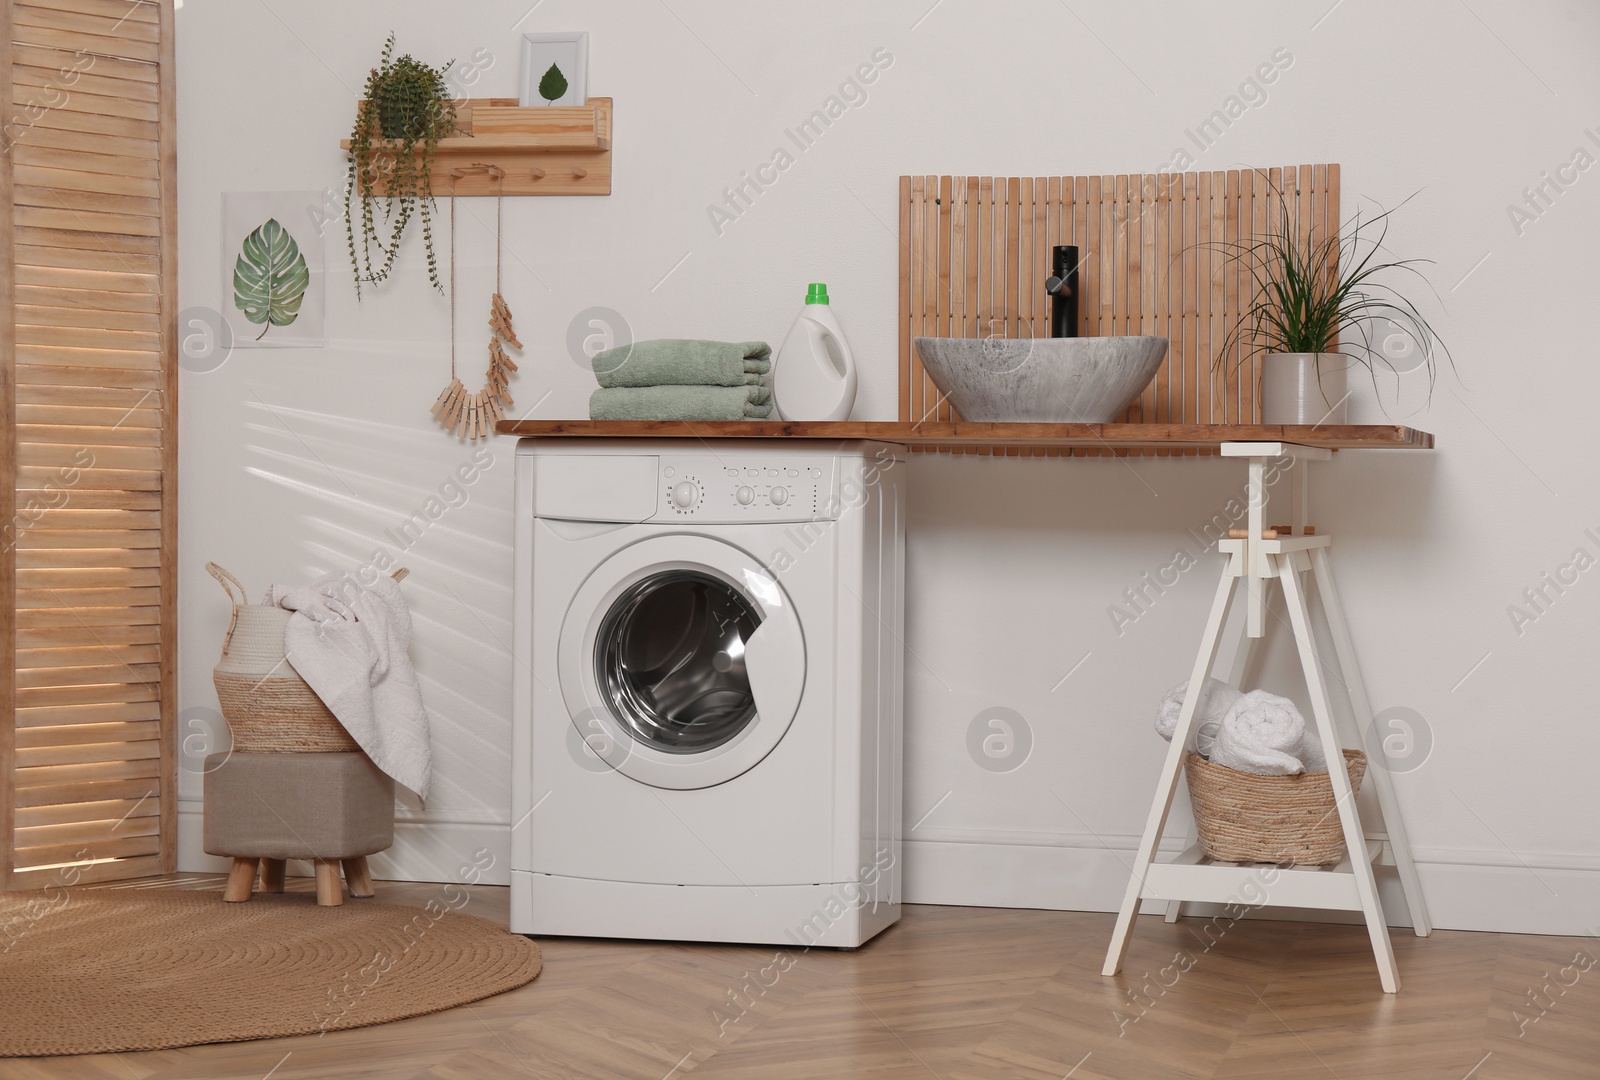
92	971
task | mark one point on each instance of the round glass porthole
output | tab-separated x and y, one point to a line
669	660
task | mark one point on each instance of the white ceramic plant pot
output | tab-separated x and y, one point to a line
1304	388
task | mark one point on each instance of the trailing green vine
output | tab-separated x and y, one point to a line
407	110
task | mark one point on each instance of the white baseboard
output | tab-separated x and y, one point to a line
1464	890
428	846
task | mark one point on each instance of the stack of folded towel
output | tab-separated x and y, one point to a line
1257	732
679	379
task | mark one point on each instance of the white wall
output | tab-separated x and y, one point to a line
296	461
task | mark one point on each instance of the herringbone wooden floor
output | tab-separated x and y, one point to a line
962	993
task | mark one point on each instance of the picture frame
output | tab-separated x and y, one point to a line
569	52
272	268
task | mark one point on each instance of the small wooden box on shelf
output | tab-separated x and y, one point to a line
540	150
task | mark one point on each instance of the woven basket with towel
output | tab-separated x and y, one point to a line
1259	784
1288	820
683	379
269	708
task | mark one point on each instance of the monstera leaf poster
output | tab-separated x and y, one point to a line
272	273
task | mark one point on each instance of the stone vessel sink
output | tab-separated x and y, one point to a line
1084	380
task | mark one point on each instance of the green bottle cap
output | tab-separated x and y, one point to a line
816	293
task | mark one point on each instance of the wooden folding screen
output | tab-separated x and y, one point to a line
88	464
975	252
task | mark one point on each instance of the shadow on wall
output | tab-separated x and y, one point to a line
445	522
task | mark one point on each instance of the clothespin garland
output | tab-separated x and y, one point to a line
474	415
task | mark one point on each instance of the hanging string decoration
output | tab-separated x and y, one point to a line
474	414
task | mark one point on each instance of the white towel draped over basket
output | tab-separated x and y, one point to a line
348	639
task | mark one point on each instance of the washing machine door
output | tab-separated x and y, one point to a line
682	661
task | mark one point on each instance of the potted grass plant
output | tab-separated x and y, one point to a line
1320	307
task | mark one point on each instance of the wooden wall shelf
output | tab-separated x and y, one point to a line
556	150
967	437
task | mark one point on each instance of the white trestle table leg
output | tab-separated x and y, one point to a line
1377	775
1167	785
1252	564
1289	570
1237	671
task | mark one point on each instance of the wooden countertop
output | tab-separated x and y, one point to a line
946	433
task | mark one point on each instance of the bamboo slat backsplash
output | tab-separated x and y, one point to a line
975	251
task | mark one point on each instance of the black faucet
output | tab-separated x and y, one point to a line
1062	287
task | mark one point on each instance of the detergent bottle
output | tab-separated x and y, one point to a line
815	376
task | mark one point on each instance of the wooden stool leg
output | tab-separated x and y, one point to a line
272	875
357	876
330	890
241	879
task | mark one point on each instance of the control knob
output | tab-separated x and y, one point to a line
746	495
685	495
779	496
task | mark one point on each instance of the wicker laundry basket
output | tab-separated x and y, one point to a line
269	708
1288	820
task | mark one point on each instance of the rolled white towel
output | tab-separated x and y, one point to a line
1262	734
1215	701
1311	755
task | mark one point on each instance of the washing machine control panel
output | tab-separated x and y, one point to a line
728	489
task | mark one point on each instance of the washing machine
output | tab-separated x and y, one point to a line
709	644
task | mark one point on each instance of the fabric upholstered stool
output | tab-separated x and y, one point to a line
261	809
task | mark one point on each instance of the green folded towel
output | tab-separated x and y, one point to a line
684	362
680	403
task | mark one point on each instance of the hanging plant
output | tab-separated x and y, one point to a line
406	111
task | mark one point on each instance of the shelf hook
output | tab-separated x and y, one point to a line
495	172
